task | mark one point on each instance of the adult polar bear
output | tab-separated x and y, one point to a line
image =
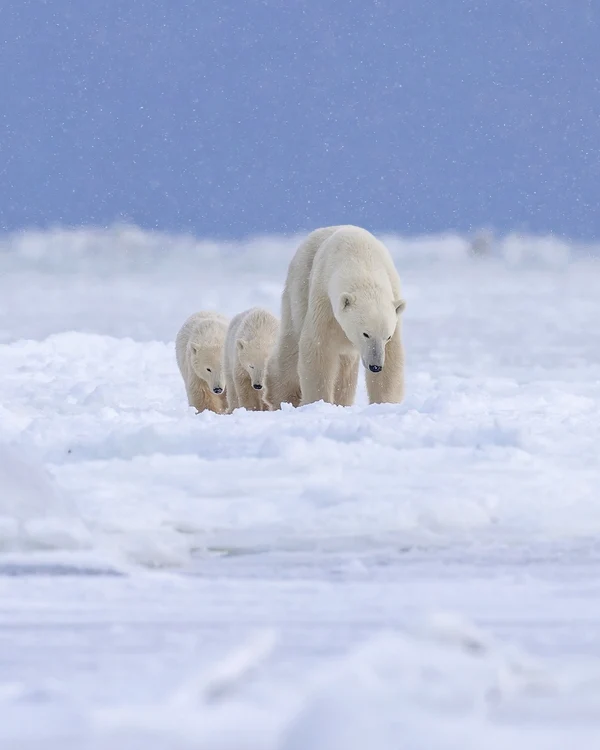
341	303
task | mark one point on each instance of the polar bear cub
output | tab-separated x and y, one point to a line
199	351
250	338
341	304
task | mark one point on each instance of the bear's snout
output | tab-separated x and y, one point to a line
217	390
257	386
375	368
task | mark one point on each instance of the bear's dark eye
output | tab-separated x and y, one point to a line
366	335
208	369
389	337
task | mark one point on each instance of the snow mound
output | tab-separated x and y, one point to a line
443	685
438	689
41	529
34	513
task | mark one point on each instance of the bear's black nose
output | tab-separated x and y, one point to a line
257	386
217	390
375	368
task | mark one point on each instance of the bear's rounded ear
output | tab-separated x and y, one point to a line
240	344
400	304
346	301
194	350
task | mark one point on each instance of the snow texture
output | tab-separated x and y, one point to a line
323	577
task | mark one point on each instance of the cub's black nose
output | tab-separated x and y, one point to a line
375	368
257	386
217	390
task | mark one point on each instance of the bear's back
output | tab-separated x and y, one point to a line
350	255
299	277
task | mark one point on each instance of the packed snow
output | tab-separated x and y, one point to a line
423	575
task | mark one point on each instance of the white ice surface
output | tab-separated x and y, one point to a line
278	581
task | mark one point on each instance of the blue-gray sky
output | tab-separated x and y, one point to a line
239	117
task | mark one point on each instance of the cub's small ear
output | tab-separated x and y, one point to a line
400	304
194	350
240	344
346	301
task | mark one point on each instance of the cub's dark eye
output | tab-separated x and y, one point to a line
366	335
389	337
208	369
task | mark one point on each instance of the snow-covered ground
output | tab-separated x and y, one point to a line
423	576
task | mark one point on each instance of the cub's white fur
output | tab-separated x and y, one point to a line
250	338
199	351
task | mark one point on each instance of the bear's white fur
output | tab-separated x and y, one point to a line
341	303
250	339
199	351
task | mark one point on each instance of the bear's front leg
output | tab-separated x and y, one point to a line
347	377
196	394
249	398
387	386
281	377
317	363
217	404
232	397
